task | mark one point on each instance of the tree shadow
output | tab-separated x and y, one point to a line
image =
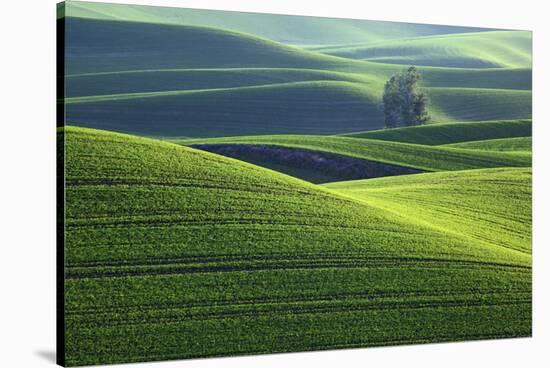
48	355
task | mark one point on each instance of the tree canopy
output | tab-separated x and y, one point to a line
404	103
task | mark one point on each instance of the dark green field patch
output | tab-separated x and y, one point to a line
301	108
438	134
313	166
97	84
428	158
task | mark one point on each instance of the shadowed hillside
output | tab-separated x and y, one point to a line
436	134
430	158
172	80
302	108
100	46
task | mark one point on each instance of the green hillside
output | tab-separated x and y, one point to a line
94	46
460	104
171	74
436	134
296	30
401	154
503	78
301	108
153	47
273	213
297	108
502	144
173	252
470	50
108	83
477	204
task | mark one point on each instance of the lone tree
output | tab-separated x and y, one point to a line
404	104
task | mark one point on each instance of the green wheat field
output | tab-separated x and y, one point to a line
230	187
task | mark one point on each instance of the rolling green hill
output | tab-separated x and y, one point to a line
302	107
216	240
502	144
296	108
475	204
470	50
173	252
437	134
97	84
402	154
94	46
296	30
460	104
130	74
503	78
106	83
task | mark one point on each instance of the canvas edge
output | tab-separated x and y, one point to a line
60	184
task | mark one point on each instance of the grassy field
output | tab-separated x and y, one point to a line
301	107
131	81
91	47
438	134
422	157
169	251
501	78
109	83
206	232
523	144
462	104
307	107
474	204
510	49
170	73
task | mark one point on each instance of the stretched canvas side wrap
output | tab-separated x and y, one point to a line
237	183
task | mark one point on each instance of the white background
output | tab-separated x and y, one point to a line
27	179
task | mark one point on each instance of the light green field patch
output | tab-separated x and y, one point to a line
503	144
173	252
492	205
470	50
478	104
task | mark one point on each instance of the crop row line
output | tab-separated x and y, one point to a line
310	257
298	299
118	271
398	305
312	310
257	188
